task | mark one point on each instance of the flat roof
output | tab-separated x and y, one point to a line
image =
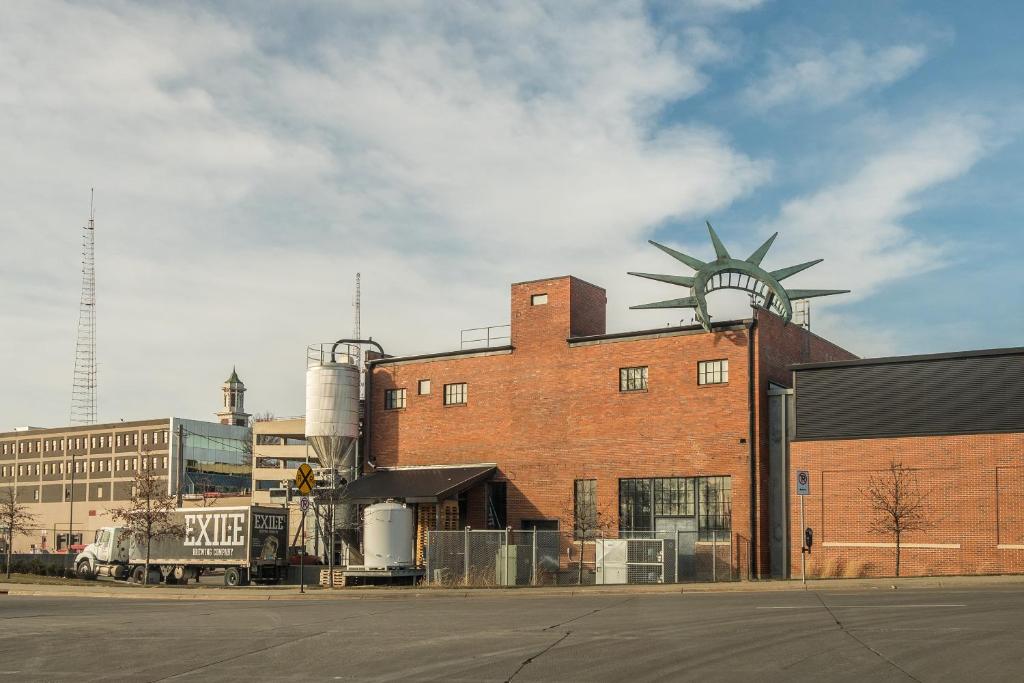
426	484
886	360
85	428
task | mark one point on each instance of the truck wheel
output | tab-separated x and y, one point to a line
232	576
137	574
84	572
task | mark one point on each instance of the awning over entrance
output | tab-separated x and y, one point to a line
417	484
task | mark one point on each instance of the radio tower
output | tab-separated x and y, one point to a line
83	392
356	332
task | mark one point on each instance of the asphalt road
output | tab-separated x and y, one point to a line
918	634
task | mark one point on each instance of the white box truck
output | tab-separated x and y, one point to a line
249	543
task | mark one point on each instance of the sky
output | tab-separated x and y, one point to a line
250	158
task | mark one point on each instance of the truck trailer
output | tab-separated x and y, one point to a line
249	543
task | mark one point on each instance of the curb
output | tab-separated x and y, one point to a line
291	592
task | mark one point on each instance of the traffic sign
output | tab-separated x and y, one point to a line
803	483
303	504
304	479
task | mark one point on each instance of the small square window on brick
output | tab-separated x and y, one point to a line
538	299
423	387
633	379
455	394
394	399
713	372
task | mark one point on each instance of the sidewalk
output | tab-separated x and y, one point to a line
105	589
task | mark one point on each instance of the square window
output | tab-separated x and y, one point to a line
394	399
423	387
713	372
455	394
633	379
538	299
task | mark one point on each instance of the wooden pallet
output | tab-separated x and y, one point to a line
339	578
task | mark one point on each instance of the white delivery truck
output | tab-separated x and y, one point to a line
249	543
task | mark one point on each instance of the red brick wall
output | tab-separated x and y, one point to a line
550	412
975	503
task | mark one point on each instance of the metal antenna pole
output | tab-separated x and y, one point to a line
83	392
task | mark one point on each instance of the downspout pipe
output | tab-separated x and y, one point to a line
751	389
368	401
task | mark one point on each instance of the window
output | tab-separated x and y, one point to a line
156	463
267	484
673	497
118	437
135	439
165	436
46	468
423	387
455	394
539	525
35	494
584	506
117	465
714	510
31	445
538	299
143	463
165	462
145	438
394	399
135	463
633	379
46	446
713	372
93	441
21	447
78	442
99	491
92	466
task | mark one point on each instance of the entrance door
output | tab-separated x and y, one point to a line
683	532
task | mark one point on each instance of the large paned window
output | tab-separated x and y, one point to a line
713	372
584	498
633	379
715	508
643	501
394	399
455	394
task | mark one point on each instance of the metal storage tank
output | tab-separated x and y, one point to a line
387	536
332	411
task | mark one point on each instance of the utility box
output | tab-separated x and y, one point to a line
506	566
611	555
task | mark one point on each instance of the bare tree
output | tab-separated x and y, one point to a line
14	518
589	520
149	514
898	503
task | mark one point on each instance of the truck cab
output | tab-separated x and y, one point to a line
107	555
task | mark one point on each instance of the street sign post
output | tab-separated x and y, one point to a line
304	482
803	489
304	479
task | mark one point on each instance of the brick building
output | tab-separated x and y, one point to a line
954	421
657	429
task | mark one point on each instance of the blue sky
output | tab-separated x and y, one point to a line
249	159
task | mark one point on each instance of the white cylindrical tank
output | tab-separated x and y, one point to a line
332	408
387	536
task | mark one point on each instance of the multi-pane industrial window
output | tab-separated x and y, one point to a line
643	501
423	387
713	372
715	508
584	499
394	398
455	394
633	379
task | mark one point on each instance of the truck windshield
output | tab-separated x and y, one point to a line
102	537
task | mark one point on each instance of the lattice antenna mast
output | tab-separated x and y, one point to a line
83	392
357	332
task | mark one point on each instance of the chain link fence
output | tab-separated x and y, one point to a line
554	558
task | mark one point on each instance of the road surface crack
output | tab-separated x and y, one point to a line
587	614
862	643
534	657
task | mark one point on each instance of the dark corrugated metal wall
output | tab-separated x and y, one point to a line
942	396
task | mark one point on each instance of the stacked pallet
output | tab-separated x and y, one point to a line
339	578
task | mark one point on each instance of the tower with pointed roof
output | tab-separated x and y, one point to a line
233	410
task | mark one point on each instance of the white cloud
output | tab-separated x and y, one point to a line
247	167
818	79
858	224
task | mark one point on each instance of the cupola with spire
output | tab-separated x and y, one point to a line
233	410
